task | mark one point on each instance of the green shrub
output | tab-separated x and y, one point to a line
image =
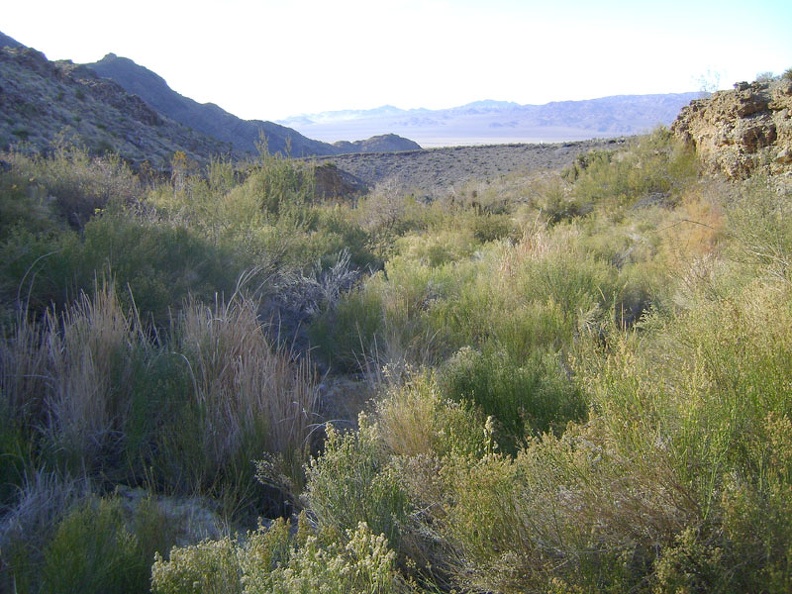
572	281
698	404
574	510
283	187
526	398
757	509
160	265
652	167
38	271
271	560
77	183
347	333
352	482
160	397
413	419
22	206
338	224
560	209
493	227
93	551
360	561
30	520
759	220
435	248
208	567
383	215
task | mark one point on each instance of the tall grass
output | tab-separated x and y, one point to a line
76	398
249	396
89	363
66	377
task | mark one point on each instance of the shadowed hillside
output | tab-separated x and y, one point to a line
208	118
243	135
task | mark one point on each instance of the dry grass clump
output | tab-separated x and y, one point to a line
244	388
66	377
89	363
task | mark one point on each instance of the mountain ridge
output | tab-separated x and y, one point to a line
120	107
494	122
44	105
244	136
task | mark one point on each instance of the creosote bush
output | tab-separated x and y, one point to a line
525	397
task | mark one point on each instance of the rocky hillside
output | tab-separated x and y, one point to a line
44	103
744	131
6	41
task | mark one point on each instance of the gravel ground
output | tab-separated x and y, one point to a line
440	171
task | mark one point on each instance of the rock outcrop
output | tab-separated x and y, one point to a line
332	182
742	132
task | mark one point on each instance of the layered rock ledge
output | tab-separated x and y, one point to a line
742	132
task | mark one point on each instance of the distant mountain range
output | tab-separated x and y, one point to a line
119	106
495	122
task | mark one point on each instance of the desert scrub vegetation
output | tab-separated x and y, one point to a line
277	559
578	380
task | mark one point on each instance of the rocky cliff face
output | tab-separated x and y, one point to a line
742	132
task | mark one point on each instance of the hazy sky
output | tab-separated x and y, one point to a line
271	59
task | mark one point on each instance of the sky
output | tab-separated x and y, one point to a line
271	59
